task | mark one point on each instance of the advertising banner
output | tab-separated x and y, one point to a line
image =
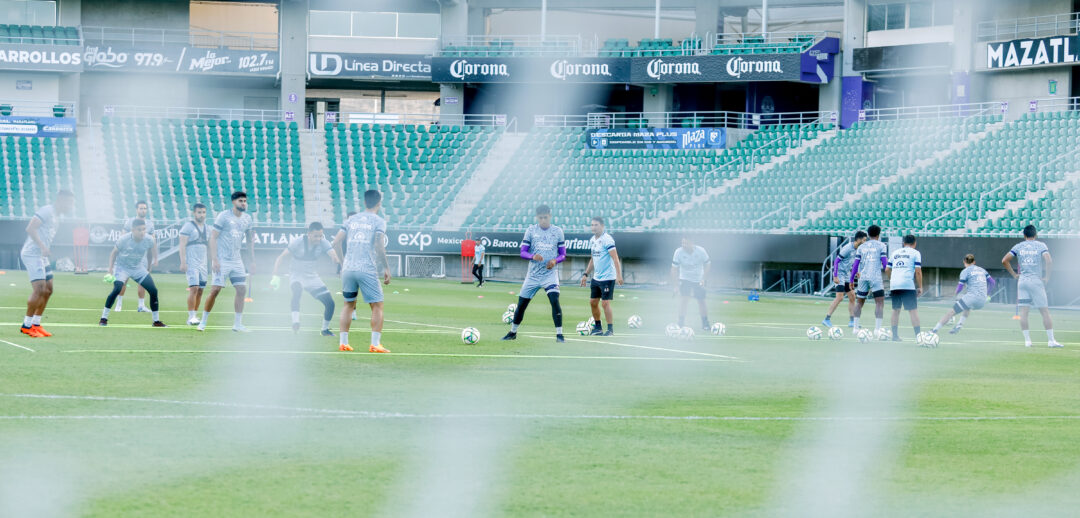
370	66
716	69
1033	52
656	138
530	70
37	126
41	57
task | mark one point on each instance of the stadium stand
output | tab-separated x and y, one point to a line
174	163
34	169
39	35
510	48
419	169
727	44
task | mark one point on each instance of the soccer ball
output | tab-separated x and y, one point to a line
865	335
633	322
814	333
927	339
511	308
686	333
835	333
583	328
508	317
718	329
883	335
592	322
470	335
672	330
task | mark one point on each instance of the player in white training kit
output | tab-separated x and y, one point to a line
142	212
870	259
227	236
305	252
128	260
1034	266
361	267
35	256
193	240
605	260
976	284
845	257
905	284
689	268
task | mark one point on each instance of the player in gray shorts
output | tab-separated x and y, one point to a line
194	236
361	267
544	246
973	291
227	237
127	262
1032	273
35	256
305	252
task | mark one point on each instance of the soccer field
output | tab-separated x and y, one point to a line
131	420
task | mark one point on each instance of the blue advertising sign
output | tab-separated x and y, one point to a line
657	138
37	126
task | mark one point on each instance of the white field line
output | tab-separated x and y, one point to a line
445	355
697	353
17	345
392	416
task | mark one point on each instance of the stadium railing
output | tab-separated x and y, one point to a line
37	108
139	36
1030	27
188	112
1054	104
935	111
426	119
778	42
699	119
510	46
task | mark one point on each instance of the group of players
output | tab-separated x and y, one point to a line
858	274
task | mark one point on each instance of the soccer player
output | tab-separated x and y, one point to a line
142	212
870	259
1033	272
478	264
978	284
905	284
128	261
230	229
689	268
544	246
841	272
193	240
35	255
605	259
304	275
365	234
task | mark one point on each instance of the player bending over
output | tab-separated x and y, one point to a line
690	266
128	260
193	240
142	212
544	245
905	284
226	239
870	259
366	256
976	284
841	273
304	275
1033	272
35	256
605	259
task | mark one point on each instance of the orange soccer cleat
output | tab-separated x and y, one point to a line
378	349
29	331
41	331
344	347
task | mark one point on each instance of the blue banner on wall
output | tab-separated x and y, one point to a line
37	126
657	138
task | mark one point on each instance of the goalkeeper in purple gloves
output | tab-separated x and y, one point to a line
544	245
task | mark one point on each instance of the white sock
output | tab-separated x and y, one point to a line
375	336
142	303
156	317
877	323
513	328
354	314
326	325
296	317
36	320
1049	334
119	301
205	316
1027	336
28	321
856	320
558	330
237	317
345	338
961	321
190	314
105	313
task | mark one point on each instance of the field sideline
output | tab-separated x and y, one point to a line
130	420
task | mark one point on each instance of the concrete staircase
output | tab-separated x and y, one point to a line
97	192
731	183
1070	181
867	191
316	183
480	181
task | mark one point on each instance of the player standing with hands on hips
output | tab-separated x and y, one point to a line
689	268
605	260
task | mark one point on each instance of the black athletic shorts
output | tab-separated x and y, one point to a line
692	289
603	290
843	288
908	299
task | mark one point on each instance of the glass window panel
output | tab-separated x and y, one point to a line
943	12
875	20
895	16
381	25
418	25
329	23
919	14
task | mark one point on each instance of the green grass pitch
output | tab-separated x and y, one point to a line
134	421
